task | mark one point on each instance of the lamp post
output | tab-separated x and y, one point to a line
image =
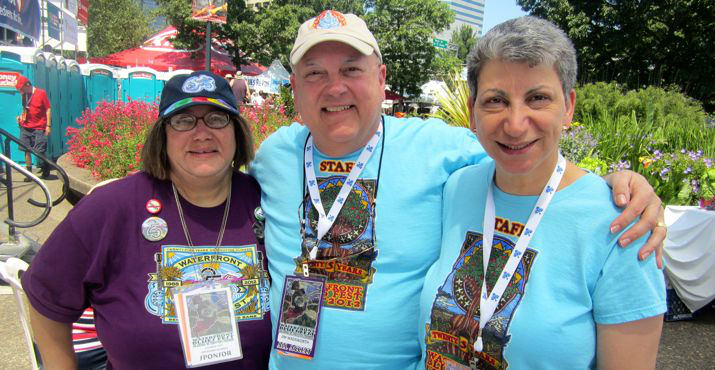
208	46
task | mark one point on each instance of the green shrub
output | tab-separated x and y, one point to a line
577	143
285	99
669	120
680	178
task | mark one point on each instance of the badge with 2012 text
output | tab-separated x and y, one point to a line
297	331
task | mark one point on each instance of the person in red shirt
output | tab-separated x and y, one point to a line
35	122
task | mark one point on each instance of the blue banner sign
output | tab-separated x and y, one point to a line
54	23
21	16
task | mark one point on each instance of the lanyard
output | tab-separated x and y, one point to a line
325	222
223	221
488	306
29	99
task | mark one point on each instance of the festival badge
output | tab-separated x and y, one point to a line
299	317
207	323
154	229
153	206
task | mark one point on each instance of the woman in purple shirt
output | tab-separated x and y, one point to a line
187	218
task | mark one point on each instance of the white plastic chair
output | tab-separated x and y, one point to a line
10	272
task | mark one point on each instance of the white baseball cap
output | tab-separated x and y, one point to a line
331	25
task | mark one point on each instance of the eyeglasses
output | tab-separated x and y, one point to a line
186	121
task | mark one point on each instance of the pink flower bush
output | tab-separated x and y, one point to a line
265	119
109	140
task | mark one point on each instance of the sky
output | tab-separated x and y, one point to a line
497	11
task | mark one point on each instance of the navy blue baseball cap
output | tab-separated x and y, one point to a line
197	88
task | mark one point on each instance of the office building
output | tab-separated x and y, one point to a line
469	12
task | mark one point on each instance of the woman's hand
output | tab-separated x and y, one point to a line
632	191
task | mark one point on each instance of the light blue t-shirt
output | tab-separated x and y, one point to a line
571	277
369	318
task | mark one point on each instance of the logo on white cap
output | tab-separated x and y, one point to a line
329	20
195	84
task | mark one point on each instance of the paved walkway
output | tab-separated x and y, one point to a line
684	344
13	350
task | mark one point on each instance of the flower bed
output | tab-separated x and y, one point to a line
108	140
265	119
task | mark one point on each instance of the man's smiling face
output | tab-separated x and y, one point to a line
338	93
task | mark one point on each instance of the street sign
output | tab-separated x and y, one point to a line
439	43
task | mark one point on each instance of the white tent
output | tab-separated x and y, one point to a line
430	90
271	80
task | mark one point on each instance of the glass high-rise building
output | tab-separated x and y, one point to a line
469	12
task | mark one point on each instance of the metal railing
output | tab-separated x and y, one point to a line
9	164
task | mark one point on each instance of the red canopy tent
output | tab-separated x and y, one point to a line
158	52
389	95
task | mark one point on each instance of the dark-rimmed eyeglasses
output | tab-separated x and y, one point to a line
187	121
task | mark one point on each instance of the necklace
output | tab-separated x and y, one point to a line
223	222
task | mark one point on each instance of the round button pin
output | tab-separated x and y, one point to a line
154	229
153	206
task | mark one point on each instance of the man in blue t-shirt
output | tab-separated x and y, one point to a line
374	253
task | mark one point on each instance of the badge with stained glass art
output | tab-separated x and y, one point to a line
297	331
154	229
153	206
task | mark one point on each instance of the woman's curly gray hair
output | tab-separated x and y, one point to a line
528	40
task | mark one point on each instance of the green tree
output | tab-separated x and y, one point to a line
404	30
115	25
191	33
463	39
259	36
445	64
637	43
344	6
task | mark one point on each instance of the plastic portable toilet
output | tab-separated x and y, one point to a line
141	83
11	66
100	83
54	142
65	103
77	97
41	65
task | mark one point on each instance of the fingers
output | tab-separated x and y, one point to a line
659	254
654	243
649	218
620	187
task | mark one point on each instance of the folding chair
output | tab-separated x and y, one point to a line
10	272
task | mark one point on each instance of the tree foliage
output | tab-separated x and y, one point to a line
259	36
404	30
463	39
637	43
115	25
191	33
445	64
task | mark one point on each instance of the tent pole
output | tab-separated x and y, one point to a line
208	46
